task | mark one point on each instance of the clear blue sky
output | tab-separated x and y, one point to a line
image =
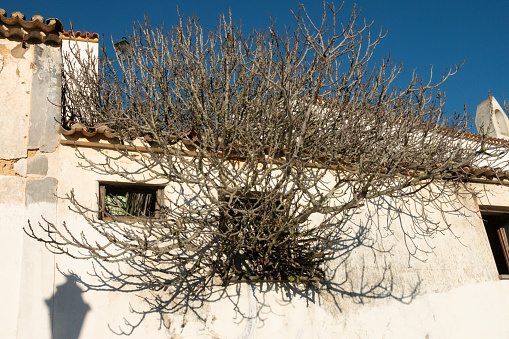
420	33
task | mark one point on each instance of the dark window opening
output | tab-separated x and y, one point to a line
247	211
262	244
249	223
497	229
129	201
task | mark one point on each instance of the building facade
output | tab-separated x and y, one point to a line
451	285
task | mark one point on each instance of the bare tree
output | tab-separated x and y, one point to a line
268	143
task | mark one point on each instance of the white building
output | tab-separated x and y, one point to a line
457	290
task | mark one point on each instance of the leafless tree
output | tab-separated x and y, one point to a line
267	142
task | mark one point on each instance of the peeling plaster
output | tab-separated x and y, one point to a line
19	51
3	52
15	81
32	153
13	167
7	167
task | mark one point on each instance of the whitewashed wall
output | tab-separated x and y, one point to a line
29	92
458	294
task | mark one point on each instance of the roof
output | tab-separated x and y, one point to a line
81	36
35	30
469	136
77	129
486	173
481	174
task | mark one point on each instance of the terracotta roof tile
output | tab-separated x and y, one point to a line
482	174
469	136
81	36
489	173
36	30
87	131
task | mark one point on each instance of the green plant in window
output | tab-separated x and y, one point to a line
116	204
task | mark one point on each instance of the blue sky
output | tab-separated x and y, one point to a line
420	33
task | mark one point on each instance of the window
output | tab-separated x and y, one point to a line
497	229
240	211
261	241
249	223
129	201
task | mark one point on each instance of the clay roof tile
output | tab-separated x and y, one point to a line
81	36
37	30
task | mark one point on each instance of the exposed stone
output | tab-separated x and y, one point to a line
19	51
38	165
20	167
46	96
39	191
32	153
6	167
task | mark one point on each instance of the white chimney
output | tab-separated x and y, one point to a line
491	120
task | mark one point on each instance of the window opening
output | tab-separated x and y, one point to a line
497	229
129	201
240	206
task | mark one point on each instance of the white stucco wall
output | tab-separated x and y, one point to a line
27	267
459	293
15	87
11	221
82	49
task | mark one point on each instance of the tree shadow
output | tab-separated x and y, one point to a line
67	309
359	267
349	275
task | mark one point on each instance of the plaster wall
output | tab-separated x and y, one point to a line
29	122
37	273
72	50
16	68
28	268
445	286
11	241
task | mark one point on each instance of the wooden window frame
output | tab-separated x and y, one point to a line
496	223
104	187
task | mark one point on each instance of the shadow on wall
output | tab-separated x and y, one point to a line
360	266
67	310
